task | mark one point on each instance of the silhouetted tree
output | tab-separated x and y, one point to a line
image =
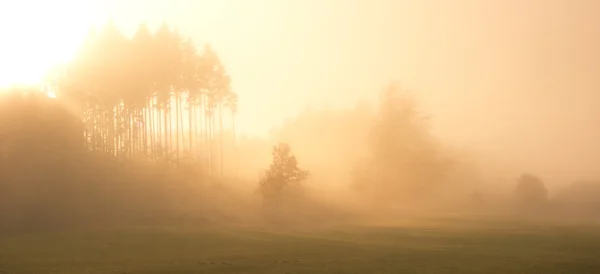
217	88
530	190
133	94
283	172
405	161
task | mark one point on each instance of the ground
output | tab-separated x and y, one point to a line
475	246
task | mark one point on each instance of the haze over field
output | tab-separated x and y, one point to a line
315	136
515	81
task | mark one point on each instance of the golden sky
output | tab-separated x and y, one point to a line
512	78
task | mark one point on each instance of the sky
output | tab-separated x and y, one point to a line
514	79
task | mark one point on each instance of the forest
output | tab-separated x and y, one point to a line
153	96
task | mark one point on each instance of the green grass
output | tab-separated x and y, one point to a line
489	248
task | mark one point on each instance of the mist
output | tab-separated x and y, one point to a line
370	164
383	127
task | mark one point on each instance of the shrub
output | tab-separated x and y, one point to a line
282	173
530	190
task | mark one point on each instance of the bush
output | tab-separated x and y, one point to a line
530	190
283	173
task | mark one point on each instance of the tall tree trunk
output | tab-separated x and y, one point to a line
117	131
145	133
213	148
181	128
203	134
198	128
166	128
130	128
235	149
221	156
152	129
111	132
207	145
177	125
207	149
159	132
191	128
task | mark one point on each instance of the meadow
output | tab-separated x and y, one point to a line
450	245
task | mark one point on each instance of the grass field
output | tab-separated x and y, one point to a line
478	247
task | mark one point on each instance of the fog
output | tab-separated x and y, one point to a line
371	164
527	68
395	109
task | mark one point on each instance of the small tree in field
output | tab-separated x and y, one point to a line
282	173
531	190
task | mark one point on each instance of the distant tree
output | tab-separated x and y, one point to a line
580	197
530	190
404	160
283	172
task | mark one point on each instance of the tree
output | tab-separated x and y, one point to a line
217	90
530	190
282	173
232	103
133	94
404	161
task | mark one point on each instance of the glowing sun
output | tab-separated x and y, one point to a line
36	36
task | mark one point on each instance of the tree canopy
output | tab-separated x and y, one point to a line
404	160
152	96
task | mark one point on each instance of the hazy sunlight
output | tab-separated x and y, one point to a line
38	35
292	136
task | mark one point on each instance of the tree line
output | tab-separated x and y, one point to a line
153	96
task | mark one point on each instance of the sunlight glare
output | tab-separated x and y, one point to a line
38	35
50	93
